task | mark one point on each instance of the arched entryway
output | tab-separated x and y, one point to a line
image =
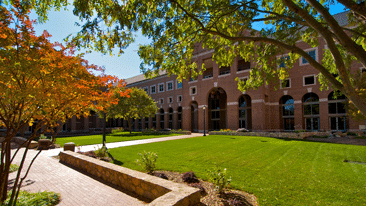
287	109
217	101
311	111
194	117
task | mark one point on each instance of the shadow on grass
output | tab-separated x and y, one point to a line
115	161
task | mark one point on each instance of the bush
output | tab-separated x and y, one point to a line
219	178
299	131
13	168
118	130
200	187
40	198
101	152
89	154
189	177
225	130
147	161
351	134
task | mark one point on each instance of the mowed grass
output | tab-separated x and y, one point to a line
114	137
276	171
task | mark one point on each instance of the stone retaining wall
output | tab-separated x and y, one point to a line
292	135
158	190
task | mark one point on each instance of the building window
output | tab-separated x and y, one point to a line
243	65
309	80
154	122
285	83
311	111
288	111
208	73
153	89
312	53
337	111
146	90
179	118
170	99
147	122
169	86
193	90
161	118
161	101
245	111
161	87
179	84
179	98
171	118
224	70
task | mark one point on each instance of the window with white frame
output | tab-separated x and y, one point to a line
152	89
170	99
161	87
161	101
285	83
169	86
193	90
363	70
244	79
309	80
313	53
179	84
146	90
179	98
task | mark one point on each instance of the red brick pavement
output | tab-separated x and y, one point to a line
75	187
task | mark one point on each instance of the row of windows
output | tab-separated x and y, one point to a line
313	53
307	81
161	87
170	99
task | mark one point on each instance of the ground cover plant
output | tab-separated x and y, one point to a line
114	137
39	198
276	171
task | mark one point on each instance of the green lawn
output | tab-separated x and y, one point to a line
277	171
115	137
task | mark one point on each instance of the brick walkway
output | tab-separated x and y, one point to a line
76	188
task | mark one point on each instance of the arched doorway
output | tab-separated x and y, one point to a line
217	101
337	111
245	112
311	111
288	113
194	117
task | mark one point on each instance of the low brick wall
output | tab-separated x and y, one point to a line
158	190
291	135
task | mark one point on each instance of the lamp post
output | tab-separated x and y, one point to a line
104	128
204	120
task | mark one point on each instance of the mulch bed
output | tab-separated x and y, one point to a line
340	140
228	198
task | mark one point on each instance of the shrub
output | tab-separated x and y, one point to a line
189	177
120	129
40	198
147	161
235	202
299	131
219	178
89	154
13	168
225	130
200	187
161	175
351	134
101	152
317	136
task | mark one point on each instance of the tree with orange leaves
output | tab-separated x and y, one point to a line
42	81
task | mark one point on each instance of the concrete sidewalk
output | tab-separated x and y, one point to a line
77	188
55	152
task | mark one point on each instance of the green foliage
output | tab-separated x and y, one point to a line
351	134
13	167
101	152
117	130
40	198
147	161
299	131
219	177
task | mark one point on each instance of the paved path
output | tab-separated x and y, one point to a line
55	152
76	188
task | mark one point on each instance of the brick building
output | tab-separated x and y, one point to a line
297	105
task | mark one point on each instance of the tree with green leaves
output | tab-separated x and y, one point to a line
138	104
230	29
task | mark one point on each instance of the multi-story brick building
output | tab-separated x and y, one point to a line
297	105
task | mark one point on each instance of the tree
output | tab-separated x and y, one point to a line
42	81
137	104
230	28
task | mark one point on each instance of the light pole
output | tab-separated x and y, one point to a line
204	120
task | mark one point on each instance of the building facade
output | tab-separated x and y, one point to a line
298	104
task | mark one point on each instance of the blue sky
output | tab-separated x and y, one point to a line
62	23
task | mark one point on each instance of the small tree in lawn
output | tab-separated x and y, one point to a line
42	81
137	105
